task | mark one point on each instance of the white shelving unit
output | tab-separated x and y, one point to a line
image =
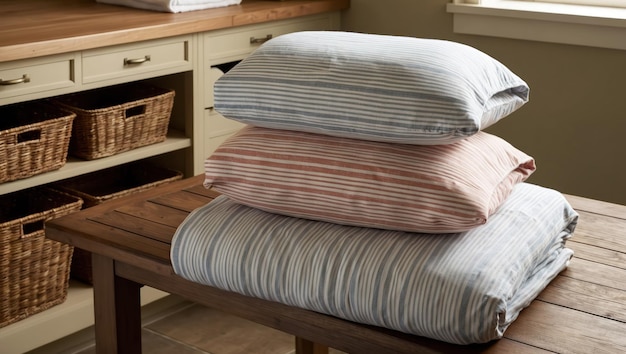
74	167
182	63
173	67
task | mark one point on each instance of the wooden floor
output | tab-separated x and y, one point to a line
188	328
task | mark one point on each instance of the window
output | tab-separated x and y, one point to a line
609	3
593	23
606	3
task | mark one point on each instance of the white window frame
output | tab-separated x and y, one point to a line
548	21
605	3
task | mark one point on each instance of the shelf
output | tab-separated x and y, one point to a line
187	79
74	314
175	141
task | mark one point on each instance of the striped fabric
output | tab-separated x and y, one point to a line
417	188
459	288
373	87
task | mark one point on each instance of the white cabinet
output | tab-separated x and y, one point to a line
170	64
187	64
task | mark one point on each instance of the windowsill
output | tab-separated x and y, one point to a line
592	26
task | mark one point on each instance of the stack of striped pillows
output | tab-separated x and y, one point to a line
369	130
365	188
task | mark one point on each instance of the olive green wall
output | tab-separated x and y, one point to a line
575	122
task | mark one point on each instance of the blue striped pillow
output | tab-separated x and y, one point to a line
371	87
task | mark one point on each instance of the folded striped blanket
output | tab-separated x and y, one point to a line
172	5
461	288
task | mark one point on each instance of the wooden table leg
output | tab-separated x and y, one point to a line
304	346
117	309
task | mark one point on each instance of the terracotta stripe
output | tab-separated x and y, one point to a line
442	188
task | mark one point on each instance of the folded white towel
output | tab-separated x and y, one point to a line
172	5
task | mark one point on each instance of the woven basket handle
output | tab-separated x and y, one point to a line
135	111
31	135
33	228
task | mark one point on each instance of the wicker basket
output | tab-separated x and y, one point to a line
34	138
99	187
34	270
117	119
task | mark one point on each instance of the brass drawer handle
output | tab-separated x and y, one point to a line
136	60
254	40
21	80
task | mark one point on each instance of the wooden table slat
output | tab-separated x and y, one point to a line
199	189
597	206
101	238
154	212
172	187
588	297
598	254
601	230
506	345
596	273
149	229
182	200
564	330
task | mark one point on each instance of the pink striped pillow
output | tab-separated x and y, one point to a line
417	188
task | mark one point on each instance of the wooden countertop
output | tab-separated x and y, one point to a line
33	28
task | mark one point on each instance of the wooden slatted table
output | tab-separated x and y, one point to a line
582	311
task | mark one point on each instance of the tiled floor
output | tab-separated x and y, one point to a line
200	329
193	329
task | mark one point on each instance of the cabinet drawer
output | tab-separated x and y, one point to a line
125	61
234	44
36	77
217	129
